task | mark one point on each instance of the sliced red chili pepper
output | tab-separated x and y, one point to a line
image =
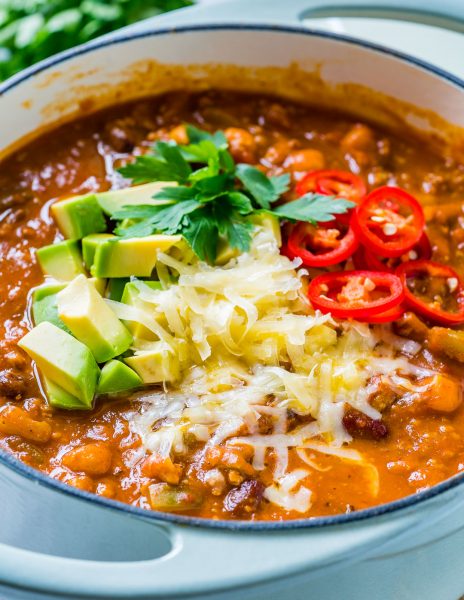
389	221
433	290
355	294
333	183
368	260
322	245
386	317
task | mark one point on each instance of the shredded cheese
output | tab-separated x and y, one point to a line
250	345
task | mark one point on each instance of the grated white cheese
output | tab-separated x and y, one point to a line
252	347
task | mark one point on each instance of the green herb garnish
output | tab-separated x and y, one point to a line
214	197
31	30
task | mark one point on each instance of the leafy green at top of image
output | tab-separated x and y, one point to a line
31	30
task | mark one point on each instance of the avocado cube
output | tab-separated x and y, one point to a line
130	257
59	398
131	296
90	244
112	201
62	261
64	360
116	287
117	377
45	305
269	222
157	365
79	216
91	320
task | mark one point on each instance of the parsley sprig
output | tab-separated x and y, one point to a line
214	196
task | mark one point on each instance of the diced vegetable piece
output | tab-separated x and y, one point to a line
117	377
64	360
156	365
131	296
92	321
90	244
60	398
173	498
447	341
444	393
268	222
131	257
45	306
112	201
225	253
62	261
116	288
79	216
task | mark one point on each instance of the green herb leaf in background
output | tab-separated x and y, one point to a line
31	30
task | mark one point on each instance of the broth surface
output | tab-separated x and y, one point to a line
422	448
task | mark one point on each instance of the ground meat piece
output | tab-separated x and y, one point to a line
383	395
16	199
13	384
360	425
244	499
411	327
124	134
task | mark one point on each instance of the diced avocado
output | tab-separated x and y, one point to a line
117	377
225	252
91	320
45	306
268	222
130	257
131	291
116	288
79	216
131	296
60	398
90	244
112	201
64	360
156	365
62	261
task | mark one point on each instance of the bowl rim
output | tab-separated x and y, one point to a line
10	461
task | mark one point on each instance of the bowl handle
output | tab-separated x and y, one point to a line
292	12
203	560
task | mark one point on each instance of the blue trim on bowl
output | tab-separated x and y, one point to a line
22	469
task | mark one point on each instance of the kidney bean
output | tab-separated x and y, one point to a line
244	499
360	425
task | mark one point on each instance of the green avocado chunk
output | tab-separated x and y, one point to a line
117	377
157	365
130	257
59	398
79	216
112	201
64	360
131	296
90	244
45	306
62	261
91	320
116	288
